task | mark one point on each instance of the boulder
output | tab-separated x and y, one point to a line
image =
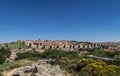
28	69
18	73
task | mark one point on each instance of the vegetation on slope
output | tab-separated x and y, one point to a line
71	62
49	54
15	45
14	64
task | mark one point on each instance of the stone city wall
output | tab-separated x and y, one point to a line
58	44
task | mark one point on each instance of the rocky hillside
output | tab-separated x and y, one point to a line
40	68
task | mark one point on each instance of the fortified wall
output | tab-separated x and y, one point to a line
58	44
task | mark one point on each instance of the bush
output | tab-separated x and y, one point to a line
28	55
100	68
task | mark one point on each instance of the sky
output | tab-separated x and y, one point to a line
80	20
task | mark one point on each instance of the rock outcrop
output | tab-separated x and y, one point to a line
40	68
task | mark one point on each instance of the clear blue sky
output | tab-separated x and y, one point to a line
81	20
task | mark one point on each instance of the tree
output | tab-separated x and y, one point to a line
4	53
2	59
117	60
